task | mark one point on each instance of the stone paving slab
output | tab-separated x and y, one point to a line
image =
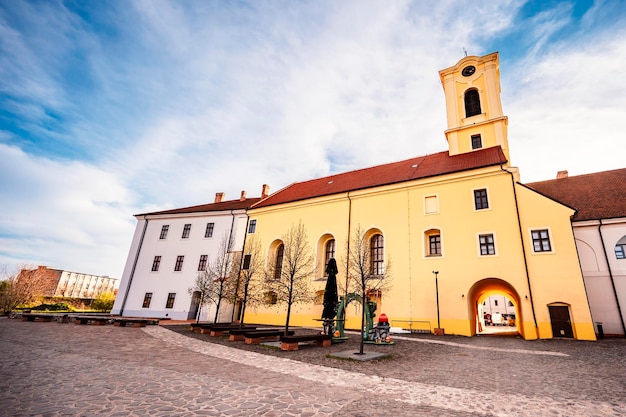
51	369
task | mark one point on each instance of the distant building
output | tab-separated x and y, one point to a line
60	283
170	248
600	231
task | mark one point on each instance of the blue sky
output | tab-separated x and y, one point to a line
109	109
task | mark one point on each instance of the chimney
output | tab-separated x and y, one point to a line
219	197
243	196
561	174
266	191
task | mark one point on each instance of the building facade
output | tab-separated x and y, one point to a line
168	251
454	228
600	231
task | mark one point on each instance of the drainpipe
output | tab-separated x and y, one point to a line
243	250
348	248
521	236
606	257
132	272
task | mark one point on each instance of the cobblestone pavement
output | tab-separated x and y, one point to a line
53	369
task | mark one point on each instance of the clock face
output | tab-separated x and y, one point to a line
469	70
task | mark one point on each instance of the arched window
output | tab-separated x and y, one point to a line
319	297
472	103
620	248
270	298
329	252
377	249
432	242
278	266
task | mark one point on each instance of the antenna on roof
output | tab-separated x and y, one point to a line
465	51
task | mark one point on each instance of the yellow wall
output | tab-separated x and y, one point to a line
398	212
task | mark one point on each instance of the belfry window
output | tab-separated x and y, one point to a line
477	142
472	103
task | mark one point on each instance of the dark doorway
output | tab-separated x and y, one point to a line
561	322
195	304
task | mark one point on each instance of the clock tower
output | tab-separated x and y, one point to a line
473	105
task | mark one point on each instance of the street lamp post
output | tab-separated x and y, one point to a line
438	330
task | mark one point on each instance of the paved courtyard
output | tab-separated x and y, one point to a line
53	369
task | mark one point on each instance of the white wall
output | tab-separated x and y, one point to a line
593	261
166	280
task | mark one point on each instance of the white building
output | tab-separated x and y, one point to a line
600	231
168	250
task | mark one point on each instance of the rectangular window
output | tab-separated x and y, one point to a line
619	252
541	240
156	263
170	300
477	142
202	263
495	303
147	299
186	231
164	230
246	262
179	263
209	230
480	199
252	226
434	245
487	245
431	205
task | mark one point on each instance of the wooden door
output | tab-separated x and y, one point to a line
561	322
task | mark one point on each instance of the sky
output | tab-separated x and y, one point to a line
113	108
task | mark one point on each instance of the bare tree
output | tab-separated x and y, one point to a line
20	286
289	277
222	269
252	268
203	285
367	273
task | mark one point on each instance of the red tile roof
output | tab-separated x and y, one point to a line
596	196
224	205
395	172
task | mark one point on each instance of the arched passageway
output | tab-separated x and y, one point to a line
481	292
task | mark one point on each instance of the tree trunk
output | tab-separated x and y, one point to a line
217	309
363	307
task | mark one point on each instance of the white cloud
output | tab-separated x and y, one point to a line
63	214
172	102
567	109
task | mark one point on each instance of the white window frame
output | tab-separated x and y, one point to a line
495	244
532	243
489	202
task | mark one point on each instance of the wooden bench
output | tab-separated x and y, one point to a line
196	327
96	320
291	342
219	331
205	328
257	336
46	317
134	321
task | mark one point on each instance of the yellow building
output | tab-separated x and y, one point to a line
461	213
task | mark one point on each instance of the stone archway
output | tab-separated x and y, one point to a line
484	288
